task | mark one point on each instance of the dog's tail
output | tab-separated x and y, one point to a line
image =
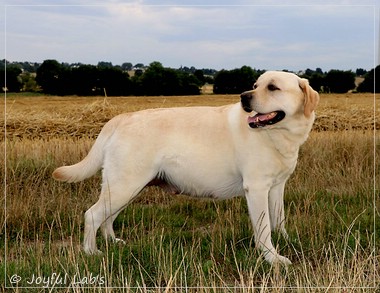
92	162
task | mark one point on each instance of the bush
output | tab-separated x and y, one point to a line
370	84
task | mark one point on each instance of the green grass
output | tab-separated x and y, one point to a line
176	241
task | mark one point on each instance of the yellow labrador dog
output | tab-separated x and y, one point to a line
245	149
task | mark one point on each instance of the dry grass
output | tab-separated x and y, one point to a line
41	116
177	241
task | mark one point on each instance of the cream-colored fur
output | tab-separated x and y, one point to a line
203	151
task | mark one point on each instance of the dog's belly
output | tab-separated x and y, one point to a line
221	190
202	182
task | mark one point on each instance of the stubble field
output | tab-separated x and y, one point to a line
175	243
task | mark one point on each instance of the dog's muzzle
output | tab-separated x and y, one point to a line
246	99
259	120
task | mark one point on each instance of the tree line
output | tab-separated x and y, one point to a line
334	81
52	77
338	81
87	80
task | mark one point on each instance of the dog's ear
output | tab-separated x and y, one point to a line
311	97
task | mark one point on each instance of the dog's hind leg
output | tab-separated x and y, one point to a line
115	195
107	229
93	218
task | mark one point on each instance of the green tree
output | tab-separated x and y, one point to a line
29	83
200	77
50	77
247	77
104	64
126	66
139	65
360	72
235	81
222	82
370	84
189	84
114	82
317	81
152	81
158	80
338	81
84	80
10	78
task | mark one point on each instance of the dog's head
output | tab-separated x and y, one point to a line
277	96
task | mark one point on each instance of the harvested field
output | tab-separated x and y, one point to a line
47	117
172	242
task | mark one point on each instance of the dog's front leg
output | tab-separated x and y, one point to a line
257	199
276	209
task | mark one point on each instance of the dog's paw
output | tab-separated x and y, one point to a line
92	251
283	260
119	241
95	252
278	259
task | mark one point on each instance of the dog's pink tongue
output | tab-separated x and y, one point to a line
261	117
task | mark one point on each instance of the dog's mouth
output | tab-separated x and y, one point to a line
262	120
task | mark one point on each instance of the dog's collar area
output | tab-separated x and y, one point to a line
262	120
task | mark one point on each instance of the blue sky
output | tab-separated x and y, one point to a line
293	35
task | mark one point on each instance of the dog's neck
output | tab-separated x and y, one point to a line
288	143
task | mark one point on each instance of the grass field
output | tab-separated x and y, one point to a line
179	244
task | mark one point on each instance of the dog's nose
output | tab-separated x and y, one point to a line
246	99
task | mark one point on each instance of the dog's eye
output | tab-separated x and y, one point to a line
255	86
272	87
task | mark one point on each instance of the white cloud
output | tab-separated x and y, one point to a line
214	36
